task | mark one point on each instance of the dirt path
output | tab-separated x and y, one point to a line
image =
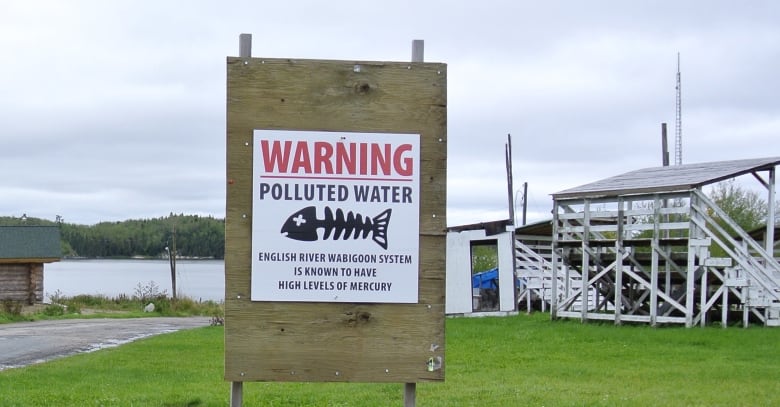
25	343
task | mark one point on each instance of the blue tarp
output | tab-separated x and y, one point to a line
485	279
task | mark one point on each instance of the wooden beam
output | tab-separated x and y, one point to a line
619	263
691	268
770	219
585	266
555	257
654	262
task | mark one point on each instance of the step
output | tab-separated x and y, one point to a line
773	315
718	262
736	282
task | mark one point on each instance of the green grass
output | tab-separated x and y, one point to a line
523	360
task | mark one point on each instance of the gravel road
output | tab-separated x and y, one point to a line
25	343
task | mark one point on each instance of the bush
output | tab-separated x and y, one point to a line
54	310
12	308
87	300
149	293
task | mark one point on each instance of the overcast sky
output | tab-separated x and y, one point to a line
114	110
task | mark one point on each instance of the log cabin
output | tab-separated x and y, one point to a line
23	252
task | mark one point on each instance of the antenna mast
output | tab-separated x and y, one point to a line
678	119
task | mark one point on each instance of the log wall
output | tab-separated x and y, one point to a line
21	282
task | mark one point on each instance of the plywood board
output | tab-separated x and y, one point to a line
329	341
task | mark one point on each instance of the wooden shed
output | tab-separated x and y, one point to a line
23	252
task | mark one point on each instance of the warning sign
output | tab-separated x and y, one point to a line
335	216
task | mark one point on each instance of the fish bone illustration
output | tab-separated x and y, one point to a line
303	225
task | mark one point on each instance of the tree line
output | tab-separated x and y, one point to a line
204	236
196	236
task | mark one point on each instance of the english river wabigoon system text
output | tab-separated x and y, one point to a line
335	278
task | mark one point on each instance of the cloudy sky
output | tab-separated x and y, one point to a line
113	110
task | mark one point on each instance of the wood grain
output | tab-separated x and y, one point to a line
274	341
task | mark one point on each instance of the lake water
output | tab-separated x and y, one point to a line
197	279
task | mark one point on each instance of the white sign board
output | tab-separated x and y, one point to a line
335	216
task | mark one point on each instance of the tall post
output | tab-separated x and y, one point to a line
654	248
770	218
693	233
509	181
619	262
664	146
410	389
237	388
585	293
172	260
525	200
554	254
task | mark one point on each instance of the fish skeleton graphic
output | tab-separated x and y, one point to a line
303	225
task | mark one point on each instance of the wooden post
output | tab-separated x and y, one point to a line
509	181
554	254
654	248
691	268
724	309
410	394
664	146
619	262
410	389
237	388
585	272
30	284
769	242
525	200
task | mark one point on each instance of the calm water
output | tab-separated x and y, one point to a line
198	279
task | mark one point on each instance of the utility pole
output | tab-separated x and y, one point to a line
525	200
172	259
509	180
664	146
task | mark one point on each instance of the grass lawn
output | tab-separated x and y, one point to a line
522	360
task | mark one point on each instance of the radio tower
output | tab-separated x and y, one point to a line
678	120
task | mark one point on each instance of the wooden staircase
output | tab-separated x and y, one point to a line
535	275
750	273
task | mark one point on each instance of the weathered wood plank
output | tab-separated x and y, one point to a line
271	341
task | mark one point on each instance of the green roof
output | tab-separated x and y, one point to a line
30	242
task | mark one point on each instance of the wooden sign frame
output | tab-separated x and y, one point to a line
324	341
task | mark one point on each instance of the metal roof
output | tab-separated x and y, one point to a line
491	228
30	243
669	179
539	228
